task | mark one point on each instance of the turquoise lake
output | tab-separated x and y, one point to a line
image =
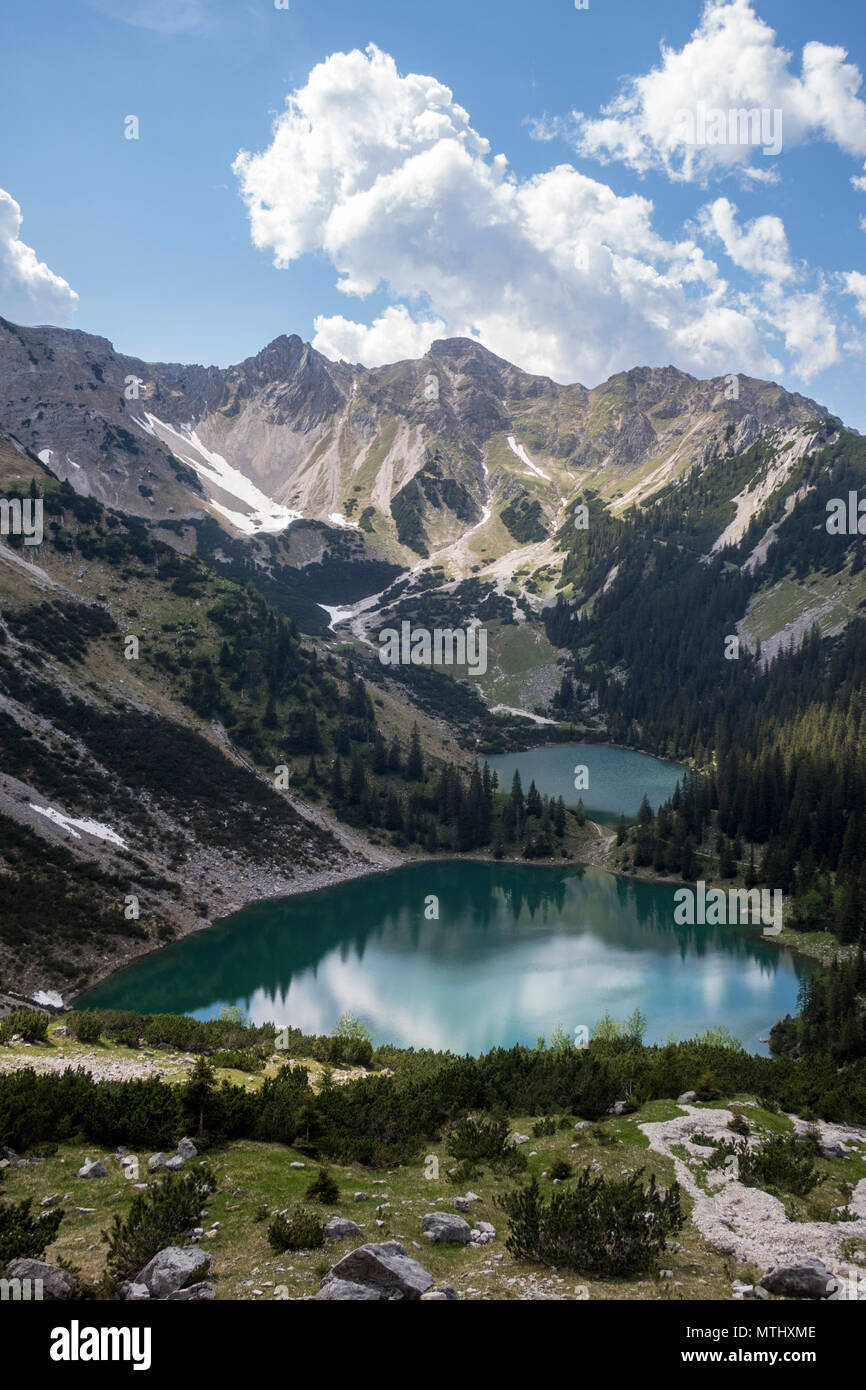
618	777
516	949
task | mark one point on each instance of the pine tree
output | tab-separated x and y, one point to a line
415	760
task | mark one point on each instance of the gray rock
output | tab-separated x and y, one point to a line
93	1169
582	1125
485	1228
618	1107
120	1153
360	1197
344	1291
156	1161
515	1139
57	1284
137	1293
340	1228
441	1293
832	1149
297	1165
193	1293
386	1268
444	1227
175	1163
172	1269
461	1203
187	1149
804	1277
687	1098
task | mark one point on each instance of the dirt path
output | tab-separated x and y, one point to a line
745	1221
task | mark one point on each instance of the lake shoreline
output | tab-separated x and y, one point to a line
819	947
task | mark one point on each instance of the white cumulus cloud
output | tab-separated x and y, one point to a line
731	63
385	175
29	292
394	335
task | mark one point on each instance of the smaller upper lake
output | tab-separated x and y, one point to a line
618	778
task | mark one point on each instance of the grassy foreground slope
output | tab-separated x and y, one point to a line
732	1231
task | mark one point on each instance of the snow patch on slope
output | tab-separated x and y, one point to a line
89	827
337	615
260	513
521	453
48	996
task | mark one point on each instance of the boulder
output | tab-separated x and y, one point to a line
340	1228
344	1291
172	1269
156	1161
360	1197
187	1149
193	1293
687	1098
515	1139
133	1293
444	1227
442	1293
832	1149
461	1204
174	1163
57	1284
92	1169
804	1276
386	1268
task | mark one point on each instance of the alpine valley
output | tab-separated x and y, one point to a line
222	549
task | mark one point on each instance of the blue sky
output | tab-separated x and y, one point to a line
601	241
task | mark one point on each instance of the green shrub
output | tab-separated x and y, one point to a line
29	1023
559	1168
323	1189
542	1128
159	1217
783	1161
23	1234
597	1225
299	1229
476	1139
706	1087
86	1027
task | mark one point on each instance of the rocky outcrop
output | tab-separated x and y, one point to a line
46	1282
444	1227
172	1269
385	1271
800	1277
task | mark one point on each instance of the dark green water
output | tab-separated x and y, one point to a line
618	777
517	949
